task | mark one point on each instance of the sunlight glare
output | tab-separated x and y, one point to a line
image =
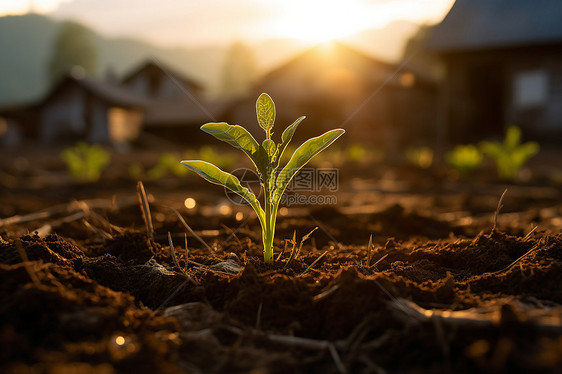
16	7
316	21
320	21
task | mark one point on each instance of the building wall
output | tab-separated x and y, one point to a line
10	133
487	90
62	117
160	87
140	86
124	124
97	121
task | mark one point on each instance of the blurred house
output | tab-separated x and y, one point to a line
504	66
154	81
335	85
85	108
176	106
151	99
16	123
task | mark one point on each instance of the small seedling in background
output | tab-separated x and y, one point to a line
510	155
464	158
86	162
421	157
266	158
167	163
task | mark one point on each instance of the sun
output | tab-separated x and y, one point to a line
317	21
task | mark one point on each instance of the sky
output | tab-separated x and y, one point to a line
201	22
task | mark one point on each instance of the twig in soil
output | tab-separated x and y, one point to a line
291	341
443	343
25	261
359	332
190	229
303	343
143	200
515	262
233	233
379	260
326	231
497	212
314	263
530	233
336	357
46	228
48	213
14	220
373	368
325	294
258	317
294	244
188	279
295	251
369	248
283	251
186	251
173	251
229	230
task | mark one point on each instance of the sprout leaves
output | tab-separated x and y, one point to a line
265	111
302	155
213	174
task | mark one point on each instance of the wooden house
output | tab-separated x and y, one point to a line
504	66
16	124
152	80
176	106
335	85
85	108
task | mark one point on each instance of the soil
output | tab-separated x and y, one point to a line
85	289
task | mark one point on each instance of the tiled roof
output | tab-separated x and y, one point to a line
485	24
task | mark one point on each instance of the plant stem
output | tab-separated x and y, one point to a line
268	230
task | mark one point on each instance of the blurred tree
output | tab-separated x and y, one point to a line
73	47
239	70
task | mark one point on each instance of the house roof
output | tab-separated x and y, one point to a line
339	54
108	92
485	24
184	112
150	66
331	53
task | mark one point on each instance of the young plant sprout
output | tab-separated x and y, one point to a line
510	155
265	157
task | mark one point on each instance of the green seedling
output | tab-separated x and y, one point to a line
510	155
464	158
266	158
167	163
421	157
86	162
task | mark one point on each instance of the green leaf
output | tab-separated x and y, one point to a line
512	137
269	147
240	138
213	174
265	111
287	136
235	135
302	155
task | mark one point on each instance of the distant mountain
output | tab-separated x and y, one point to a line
25	54
24	49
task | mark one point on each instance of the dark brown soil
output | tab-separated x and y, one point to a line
440	291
